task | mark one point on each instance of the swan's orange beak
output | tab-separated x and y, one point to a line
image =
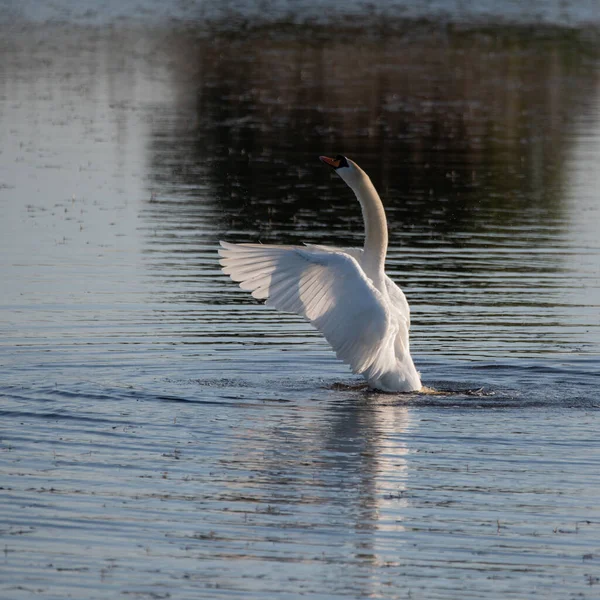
332	162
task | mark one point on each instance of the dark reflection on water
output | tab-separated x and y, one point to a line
454	128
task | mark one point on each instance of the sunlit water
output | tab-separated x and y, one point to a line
163	435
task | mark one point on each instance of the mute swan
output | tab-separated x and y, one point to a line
343	292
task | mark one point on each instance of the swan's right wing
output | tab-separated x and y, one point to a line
327	288
402	312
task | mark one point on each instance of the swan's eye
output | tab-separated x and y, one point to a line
342	161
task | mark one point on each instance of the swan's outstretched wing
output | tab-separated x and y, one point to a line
327	288
398	301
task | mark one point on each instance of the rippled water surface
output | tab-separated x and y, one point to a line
163	435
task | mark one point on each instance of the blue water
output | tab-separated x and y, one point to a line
163	435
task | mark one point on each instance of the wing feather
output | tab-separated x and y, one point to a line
327	287
398	303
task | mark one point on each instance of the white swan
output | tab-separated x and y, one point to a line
343	292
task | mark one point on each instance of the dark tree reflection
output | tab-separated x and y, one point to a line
460	130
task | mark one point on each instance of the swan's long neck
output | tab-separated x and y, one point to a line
376	233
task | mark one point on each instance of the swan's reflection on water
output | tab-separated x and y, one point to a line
333	481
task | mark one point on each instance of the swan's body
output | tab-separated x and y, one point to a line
343	292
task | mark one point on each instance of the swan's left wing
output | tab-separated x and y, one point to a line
398	303
397	297
328	288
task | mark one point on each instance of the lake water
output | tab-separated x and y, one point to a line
163	435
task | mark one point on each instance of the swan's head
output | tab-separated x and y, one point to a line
348	170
